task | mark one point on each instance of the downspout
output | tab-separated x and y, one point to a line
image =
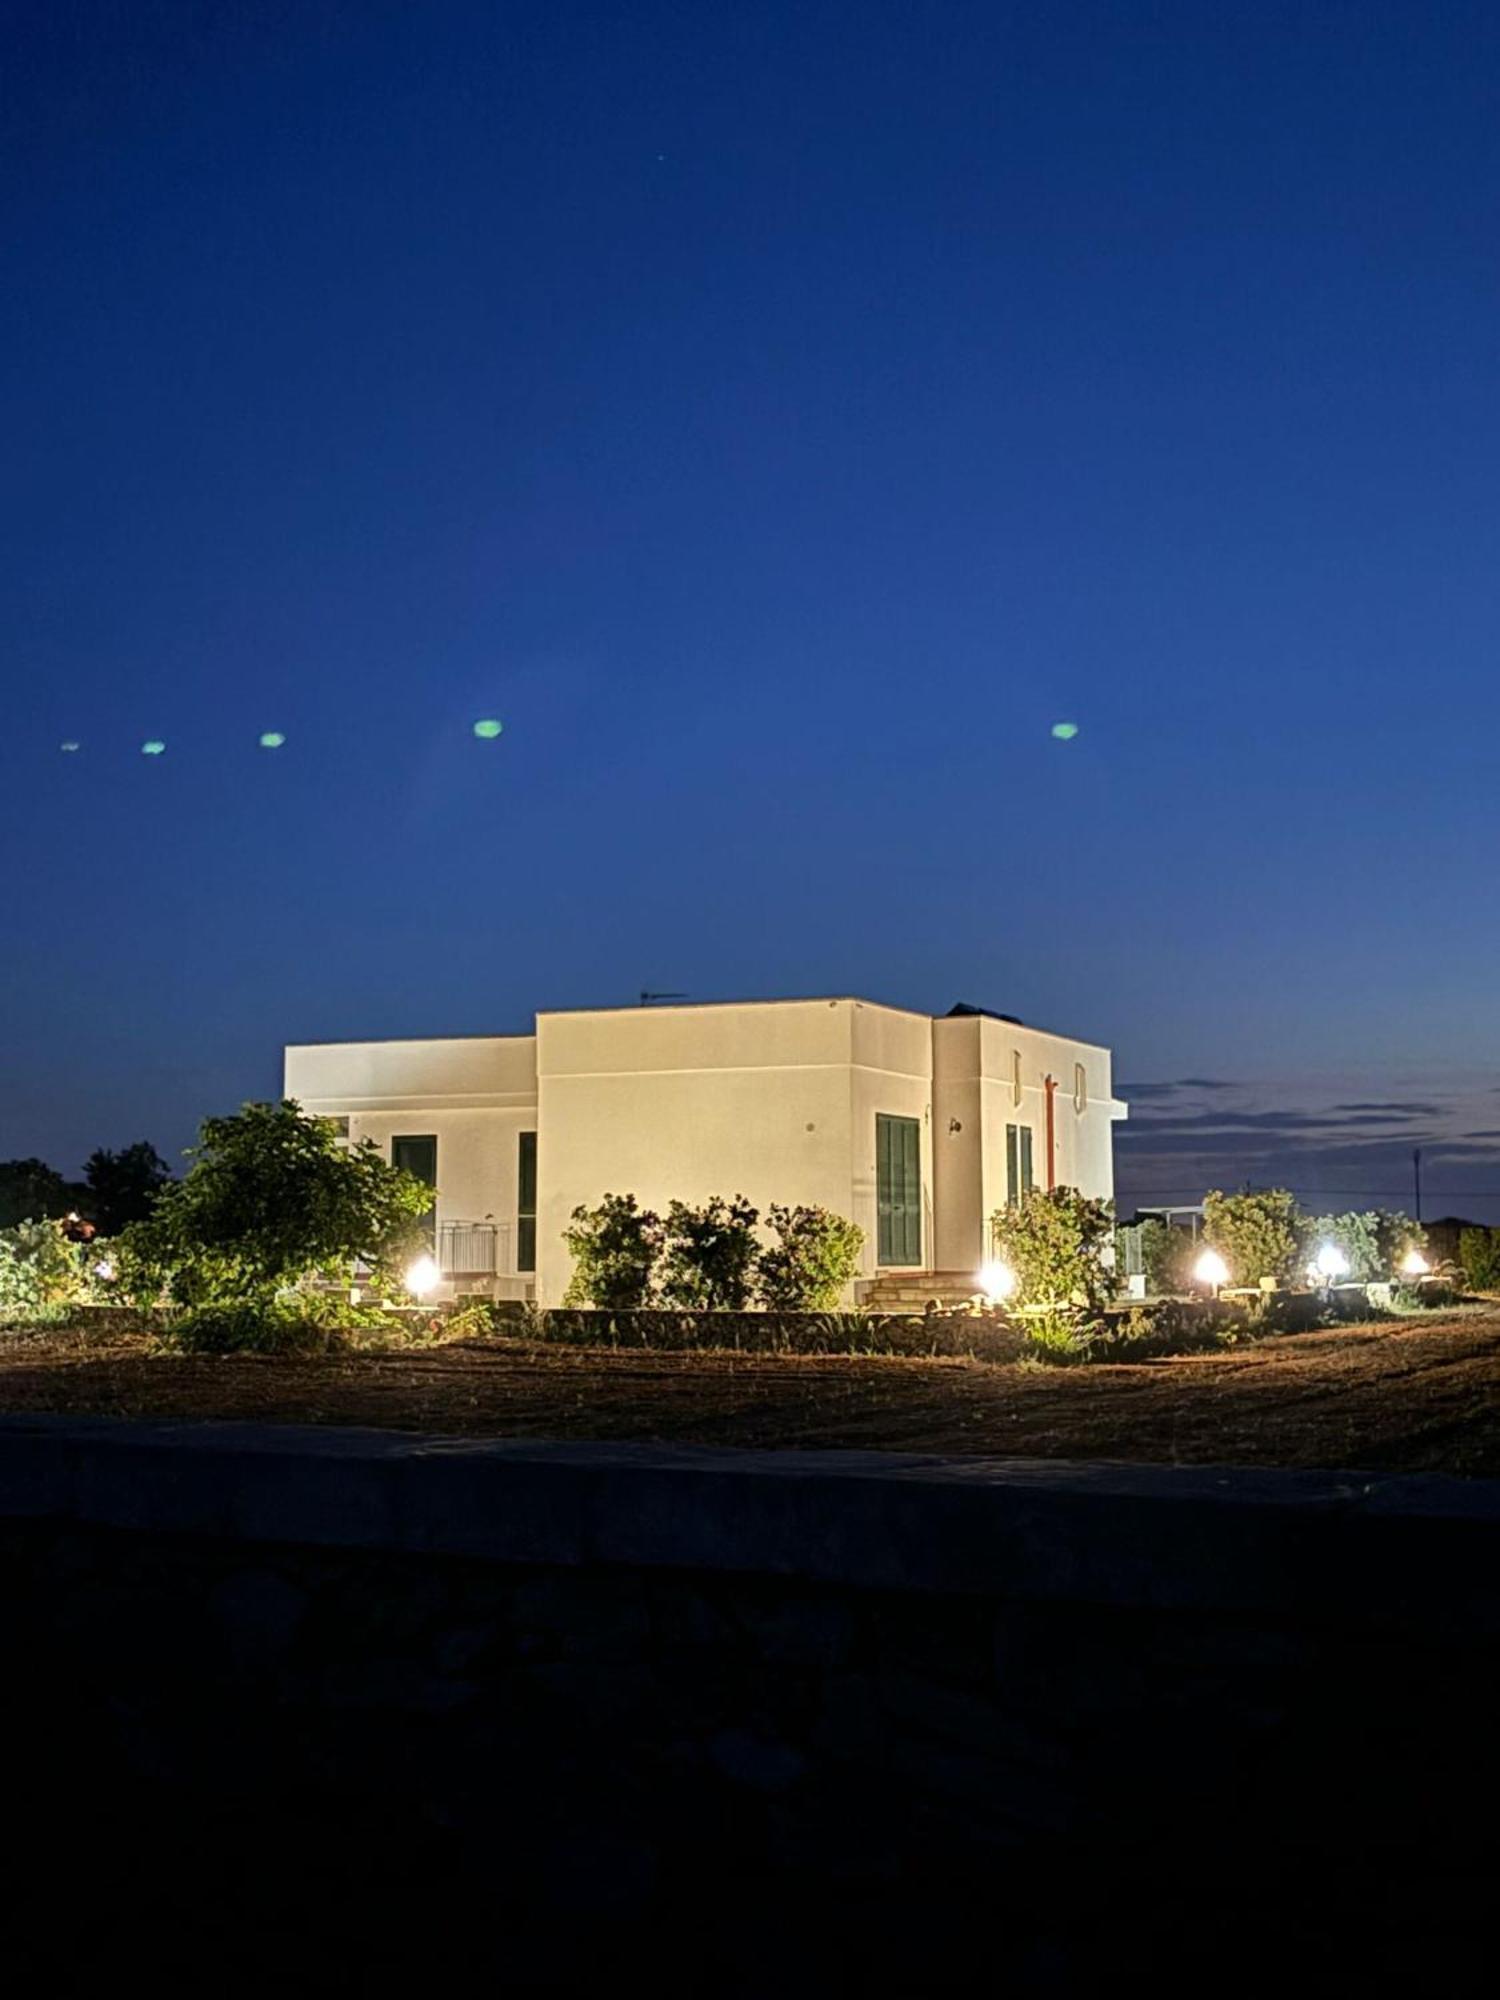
1051	1089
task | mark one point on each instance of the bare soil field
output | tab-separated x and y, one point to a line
1420	1395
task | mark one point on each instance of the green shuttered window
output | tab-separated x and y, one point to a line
898	1190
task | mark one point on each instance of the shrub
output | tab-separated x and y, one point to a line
614	1248
815	1255
1356	1234
272	1197
711	1255
1257	1235
40	1267
1396	1236
1054	1240
1479	1256
297	1324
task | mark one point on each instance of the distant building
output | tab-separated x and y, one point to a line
916	1128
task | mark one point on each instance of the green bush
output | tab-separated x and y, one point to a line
1479	1258
711	1253
814	1257
1054	1241
40	1268
1356	1234
272	1197
1257	1235
300	1323
1396	1236
614	1248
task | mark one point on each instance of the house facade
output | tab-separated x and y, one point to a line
917	1128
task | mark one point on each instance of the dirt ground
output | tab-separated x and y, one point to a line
1410	1396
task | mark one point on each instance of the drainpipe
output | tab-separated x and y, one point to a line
1051	1089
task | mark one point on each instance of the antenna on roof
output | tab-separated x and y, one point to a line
649	999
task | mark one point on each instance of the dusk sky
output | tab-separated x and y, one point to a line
779	416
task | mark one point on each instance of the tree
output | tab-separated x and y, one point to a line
124	1186
271	1198
1257	1235
31	1191
1356	1234
710	1255
815	1255
1054	1240
614	1248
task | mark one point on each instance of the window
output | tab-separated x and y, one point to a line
526	1202
416	1154
898	1190
340	1129
1020	1176
1080	1087
1015	1076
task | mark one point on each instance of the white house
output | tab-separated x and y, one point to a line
917	1128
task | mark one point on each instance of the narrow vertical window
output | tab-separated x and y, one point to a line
1080	1087
417	1155
526	1202
1015	1076
1020	1174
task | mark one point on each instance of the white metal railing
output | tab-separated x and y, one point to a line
474	1249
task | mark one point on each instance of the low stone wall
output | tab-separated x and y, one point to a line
736	1720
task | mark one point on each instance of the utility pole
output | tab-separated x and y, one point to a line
1416	1178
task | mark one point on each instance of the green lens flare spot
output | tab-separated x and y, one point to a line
1065	731
69	747
488	729
272	739
152	747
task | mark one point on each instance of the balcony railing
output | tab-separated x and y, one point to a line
474	1249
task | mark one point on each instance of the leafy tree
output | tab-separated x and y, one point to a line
1396	1237
815	1255
123	1186
1258	1235
711	1255
1055	1241
1357	1234
30	1191
1479	1258
614	1248
272	1197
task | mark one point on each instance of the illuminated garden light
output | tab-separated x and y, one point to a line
1065	731
152	747
1211	1270
487	729
1414	1265
997	1281
272	739
422	1277
1330	1263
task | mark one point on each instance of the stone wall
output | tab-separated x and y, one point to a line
743	1720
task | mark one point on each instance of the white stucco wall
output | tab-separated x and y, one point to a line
686	1102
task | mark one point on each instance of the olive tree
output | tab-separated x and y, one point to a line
273	1197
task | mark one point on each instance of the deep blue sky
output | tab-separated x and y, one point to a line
779	416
